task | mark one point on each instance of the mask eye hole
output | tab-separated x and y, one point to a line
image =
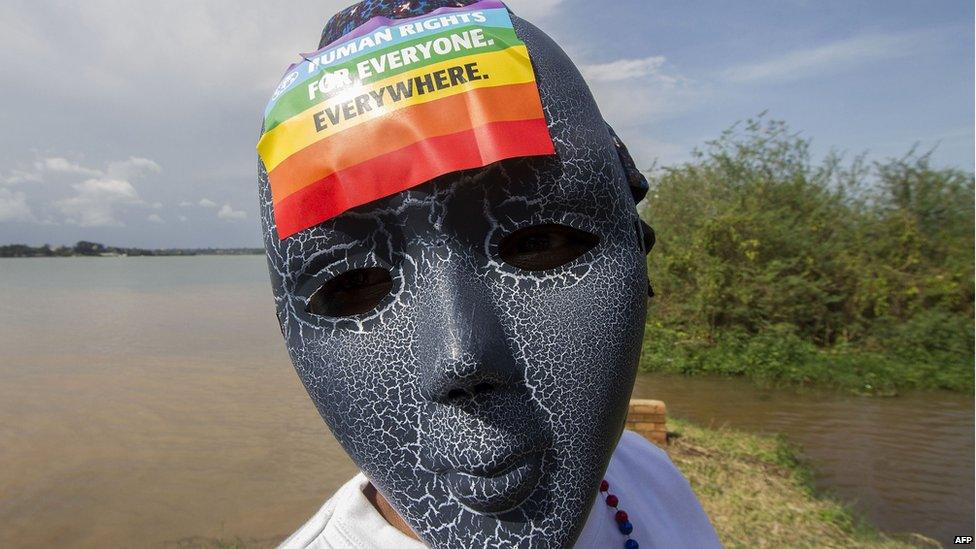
351	293
543	247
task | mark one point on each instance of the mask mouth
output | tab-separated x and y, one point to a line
492	491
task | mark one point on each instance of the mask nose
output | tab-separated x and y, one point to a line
471	353
457	379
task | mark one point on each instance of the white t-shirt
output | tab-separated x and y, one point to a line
658	501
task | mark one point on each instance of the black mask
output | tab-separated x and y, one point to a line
472	342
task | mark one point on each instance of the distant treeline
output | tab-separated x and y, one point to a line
83	248
786	270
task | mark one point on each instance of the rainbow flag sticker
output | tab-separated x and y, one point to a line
395	103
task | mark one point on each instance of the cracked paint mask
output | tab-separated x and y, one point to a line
472	341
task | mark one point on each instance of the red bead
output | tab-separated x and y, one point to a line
604	486
612	500
621	516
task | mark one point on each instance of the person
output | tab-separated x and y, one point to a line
465	307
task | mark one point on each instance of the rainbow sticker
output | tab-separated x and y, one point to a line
395	103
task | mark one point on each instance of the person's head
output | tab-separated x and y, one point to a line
472	341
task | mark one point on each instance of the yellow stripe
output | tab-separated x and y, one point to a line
509	66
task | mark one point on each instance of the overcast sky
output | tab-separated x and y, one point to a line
134	123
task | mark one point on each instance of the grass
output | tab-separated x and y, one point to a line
758	493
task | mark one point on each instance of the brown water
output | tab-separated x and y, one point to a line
906	462
149	401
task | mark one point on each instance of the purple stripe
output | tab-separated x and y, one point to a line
380	21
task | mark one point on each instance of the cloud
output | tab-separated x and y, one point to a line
96	202
13	206
638	91
58	164
19	176
96	196
154	218
626	69
133	167
230	214
207	203
838	55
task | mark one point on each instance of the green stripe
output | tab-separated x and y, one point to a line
296	100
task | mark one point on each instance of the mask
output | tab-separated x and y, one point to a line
472	341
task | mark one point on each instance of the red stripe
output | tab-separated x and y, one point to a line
412	165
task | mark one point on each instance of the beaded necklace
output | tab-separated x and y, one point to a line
623	523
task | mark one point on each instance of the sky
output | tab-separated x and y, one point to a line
134	123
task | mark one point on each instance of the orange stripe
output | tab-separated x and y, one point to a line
401	128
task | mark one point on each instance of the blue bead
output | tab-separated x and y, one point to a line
631	544
626	527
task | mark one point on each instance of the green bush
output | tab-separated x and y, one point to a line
773	266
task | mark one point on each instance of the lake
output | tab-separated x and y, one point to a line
150	402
